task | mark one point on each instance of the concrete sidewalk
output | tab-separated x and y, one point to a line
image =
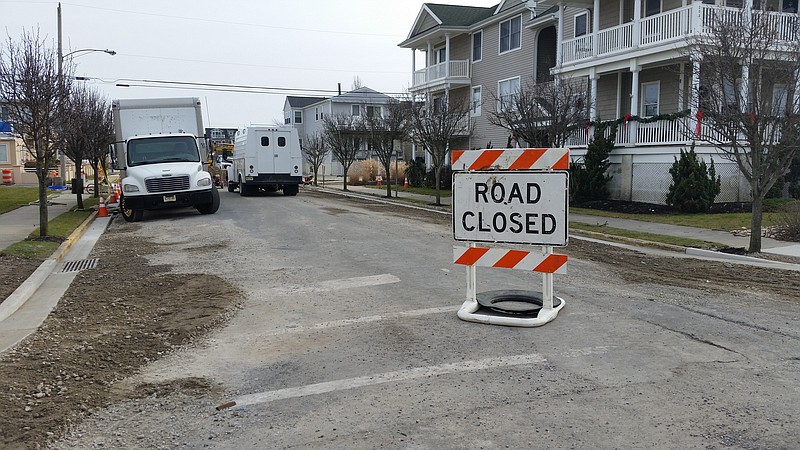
16	225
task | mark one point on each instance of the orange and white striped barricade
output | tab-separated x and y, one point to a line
513	196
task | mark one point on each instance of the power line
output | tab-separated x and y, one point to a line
225	22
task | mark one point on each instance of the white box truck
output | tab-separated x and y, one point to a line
160	152
266	158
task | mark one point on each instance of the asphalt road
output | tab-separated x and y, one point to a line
349	338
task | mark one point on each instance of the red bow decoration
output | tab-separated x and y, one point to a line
699	117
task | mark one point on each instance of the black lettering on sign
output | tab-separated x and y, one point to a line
534	193
464	220
548	224
480	191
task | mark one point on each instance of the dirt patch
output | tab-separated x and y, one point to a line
15	271
113	320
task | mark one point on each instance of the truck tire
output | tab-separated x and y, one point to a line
130	215
291	189
231	186
243	191
210	208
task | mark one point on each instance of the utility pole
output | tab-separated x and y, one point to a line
61	156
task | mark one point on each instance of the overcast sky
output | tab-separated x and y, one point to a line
304	47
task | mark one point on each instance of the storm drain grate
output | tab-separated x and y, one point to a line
77	266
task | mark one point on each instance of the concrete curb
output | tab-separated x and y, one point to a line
24	292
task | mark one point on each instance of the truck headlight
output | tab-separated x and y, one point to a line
204	182
130	188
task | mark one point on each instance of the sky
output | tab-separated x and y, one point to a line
295	47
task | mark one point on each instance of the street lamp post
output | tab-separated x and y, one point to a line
62	158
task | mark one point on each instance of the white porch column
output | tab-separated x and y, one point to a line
796	103
413	66
694	99
593	94
744	88
634	125
637	23
595	28
560	34
447	55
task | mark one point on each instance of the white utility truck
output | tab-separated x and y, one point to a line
266	158
160	152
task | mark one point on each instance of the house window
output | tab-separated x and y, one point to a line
476	101
4	113
650	94
729	91
581	24
477	46
440	55
356	110
510	33
316	113
780	93
652	7
298	117
4	153
438	105
374	111
507	92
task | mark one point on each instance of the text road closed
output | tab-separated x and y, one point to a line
513	207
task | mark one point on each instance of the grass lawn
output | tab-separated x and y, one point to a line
58	229
722	221
414	190
12	197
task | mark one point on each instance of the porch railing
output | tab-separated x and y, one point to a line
458	69
671	26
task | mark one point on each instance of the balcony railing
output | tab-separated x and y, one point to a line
458	70
671	26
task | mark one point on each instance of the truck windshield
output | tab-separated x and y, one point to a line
154	150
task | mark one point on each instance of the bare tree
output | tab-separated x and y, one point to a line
749	105
31	88
435	125
385	129
82	120
344	134
100	139
542	114
314	151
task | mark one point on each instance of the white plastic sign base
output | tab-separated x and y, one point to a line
468	313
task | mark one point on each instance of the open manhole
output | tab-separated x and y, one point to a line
81	264
513	302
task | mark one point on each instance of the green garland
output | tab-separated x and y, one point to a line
640	119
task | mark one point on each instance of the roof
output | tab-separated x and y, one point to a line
302	102
460	16
362	95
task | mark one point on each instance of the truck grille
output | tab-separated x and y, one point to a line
167	184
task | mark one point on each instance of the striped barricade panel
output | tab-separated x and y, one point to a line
510	259
511	159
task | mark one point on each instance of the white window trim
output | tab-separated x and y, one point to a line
575	25
473	47
658	99
354	108
473	110
4	156
499	94
294	118
499	37
780	99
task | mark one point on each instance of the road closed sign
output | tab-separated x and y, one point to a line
516	207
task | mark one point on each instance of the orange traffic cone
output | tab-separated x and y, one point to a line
405	185
119	191
112	198
102	212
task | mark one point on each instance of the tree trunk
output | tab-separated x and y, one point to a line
438	185
41	173
388	169
344	181
316	171
755	225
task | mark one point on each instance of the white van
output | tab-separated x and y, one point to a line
266	158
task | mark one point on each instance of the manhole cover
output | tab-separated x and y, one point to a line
77	266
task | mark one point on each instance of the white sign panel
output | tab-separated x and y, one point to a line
517	207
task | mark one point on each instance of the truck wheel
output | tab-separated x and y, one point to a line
210	208
231	186
290	189
243	191
130	215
